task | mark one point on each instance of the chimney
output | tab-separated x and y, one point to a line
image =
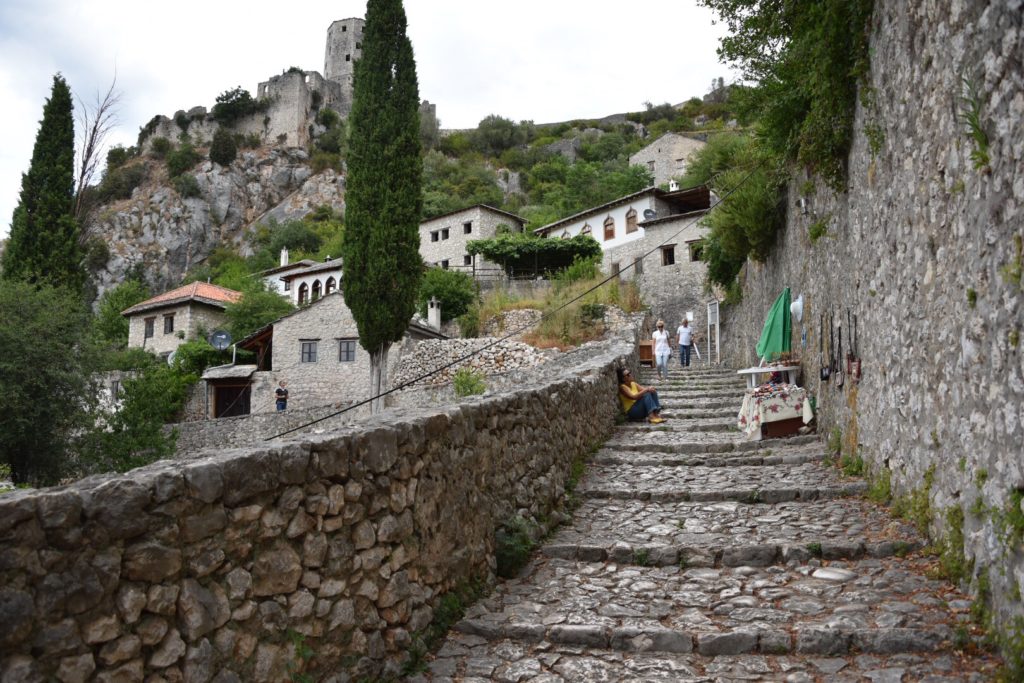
434	313
284	256
673	185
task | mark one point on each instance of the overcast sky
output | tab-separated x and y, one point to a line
545	60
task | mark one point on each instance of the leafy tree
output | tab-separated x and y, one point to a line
133	434
383	267
746	223
44	238
195	355
223	149
806	59
44	371
109	326
234	104
257	307
494	134
118	156
454	290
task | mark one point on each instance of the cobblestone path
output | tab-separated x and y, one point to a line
695	556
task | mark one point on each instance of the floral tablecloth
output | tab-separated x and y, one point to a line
772	403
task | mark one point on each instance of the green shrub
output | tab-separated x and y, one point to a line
469	322
119	182
817	230
513	543
118	156
321	161
97	253
182	159
147	130
468	382
455	291
186	185
160	147
222	148
328	118
582	268
234	104
183	121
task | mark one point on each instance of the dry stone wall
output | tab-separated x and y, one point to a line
211	568
926	251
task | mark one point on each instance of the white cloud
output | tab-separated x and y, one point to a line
532	59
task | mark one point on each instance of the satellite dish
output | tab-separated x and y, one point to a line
220	340
796	309
649	214
171	356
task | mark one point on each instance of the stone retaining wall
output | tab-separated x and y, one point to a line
212	568
925	250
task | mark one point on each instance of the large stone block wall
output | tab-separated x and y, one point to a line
925	250
205	569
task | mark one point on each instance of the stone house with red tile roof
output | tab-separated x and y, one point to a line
163	323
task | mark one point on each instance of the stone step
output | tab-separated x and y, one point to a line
471	658
728	459
729	533
702	403
716	424
776	484
872	606
669	441
684	382
681	395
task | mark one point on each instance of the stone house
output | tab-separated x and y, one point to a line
667	157
274	277
313	281
163	323
655	237
443	238
316	350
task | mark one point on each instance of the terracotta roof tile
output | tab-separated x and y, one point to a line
199	291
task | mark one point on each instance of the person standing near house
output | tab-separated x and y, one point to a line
662	349
281	395
684	337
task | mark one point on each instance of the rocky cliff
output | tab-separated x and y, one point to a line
168	234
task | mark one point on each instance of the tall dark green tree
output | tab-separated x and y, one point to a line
45	372
381	255
44	240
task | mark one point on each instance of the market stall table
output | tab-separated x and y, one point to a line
774	410
752	373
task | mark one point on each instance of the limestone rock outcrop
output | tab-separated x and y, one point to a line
169	234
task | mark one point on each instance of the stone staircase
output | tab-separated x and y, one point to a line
695	556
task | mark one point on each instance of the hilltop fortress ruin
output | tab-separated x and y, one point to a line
289	101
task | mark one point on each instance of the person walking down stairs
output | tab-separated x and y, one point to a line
662	350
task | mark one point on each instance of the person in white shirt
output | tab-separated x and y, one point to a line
684	337
662	349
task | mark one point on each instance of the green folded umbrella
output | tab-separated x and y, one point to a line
777	328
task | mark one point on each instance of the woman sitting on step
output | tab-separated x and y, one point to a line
638	402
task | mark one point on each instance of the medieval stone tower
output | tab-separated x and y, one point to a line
344	47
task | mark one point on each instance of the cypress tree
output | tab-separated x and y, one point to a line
381	255
43	244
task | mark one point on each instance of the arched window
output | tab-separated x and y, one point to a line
303	293
609	228
317	290
565	234
330	286
631	220
586	229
